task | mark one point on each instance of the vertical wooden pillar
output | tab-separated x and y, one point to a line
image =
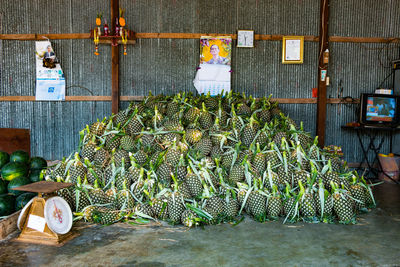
323	45
114	61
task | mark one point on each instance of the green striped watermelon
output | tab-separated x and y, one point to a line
13	170
4	158
19	156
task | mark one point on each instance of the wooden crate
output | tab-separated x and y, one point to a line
8	225
12	139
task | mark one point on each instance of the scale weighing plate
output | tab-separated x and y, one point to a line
58	215
23	214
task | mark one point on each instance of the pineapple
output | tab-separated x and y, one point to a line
125	200
257	205
259	161
274	203
307	205
249	132
105	216
175	207
342	204
189	218
101	157
77	169
194	184
127	143
193	136
205	119
164	174
97	195
204	146
97	128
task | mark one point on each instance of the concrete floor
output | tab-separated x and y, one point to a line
374	241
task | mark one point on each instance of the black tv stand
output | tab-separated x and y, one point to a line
372	131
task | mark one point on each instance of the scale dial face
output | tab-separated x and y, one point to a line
58	215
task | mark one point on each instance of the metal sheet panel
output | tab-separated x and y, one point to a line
168	66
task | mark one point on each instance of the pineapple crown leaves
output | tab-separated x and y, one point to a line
199	212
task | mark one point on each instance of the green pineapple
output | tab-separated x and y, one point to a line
140	157
191	115
119	155
204	146
193	136
125	200
105	216
127	143
164	174
205	119
323	201
357	192
236	174
274	203
160	207
342	204
259	161
278	137
290	205
77	169
189	218
249	132
307	205
172	156
257	205
94	173
175	206
215	205
194	184
101	157
112	141
97	128
89	150
231	206
97	195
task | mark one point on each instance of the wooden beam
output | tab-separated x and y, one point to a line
323	45
38	37
155	35
140	98
114	61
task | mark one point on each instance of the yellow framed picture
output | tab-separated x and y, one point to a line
292	49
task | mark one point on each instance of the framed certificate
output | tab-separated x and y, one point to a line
245	38
292	49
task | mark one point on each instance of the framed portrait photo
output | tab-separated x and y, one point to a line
245	38
292	49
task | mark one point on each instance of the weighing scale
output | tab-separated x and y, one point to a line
46	219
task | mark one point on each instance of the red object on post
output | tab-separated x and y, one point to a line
315	92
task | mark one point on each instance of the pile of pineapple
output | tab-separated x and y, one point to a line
205	160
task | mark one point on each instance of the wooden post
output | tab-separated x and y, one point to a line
114	61
323	45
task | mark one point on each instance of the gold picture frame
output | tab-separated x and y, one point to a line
292	49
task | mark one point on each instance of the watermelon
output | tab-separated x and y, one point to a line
3	186
19	181
19	156
38	163
4	158
23	199
7	204
34	176
13	170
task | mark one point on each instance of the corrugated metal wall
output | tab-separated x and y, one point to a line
167	66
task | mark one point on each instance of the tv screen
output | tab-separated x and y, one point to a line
380	109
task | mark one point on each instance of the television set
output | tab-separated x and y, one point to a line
380	110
